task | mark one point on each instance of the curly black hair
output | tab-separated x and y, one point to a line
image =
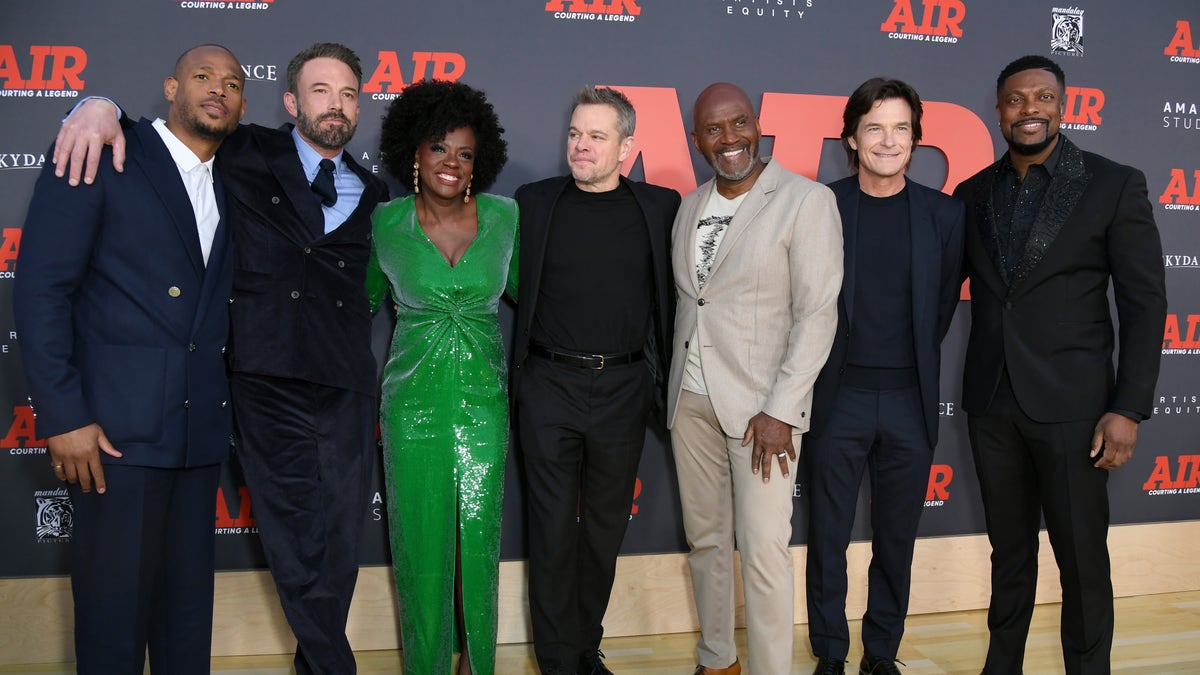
427	111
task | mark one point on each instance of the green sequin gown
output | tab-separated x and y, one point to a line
444	423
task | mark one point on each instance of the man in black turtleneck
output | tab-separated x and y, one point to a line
875	402
594	316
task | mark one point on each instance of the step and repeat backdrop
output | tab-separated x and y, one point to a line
1133	94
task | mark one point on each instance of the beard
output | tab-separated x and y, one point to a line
1029	149
735	176
208	129
330	138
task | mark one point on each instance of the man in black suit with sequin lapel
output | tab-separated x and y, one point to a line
1048	227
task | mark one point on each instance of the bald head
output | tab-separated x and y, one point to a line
727	134
721	94
204	52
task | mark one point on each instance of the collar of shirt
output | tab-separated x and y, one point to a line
310	159
184	158
1049	165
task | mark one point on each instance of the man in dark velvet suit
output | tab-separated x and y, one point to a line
594	317
1048	227
303	377
121	306
875	404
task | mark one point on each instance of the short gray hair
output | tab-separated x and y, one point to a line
626	117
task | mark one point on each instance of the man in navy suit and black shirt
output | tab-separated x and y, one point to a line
594	318
121	306
1049	226
875	401
303	376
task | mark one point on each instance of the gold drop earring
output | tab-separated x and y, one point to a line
416	178
467	197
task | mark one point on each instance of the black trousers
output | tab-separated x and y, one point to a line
142	557
883	432
306	452
1028	470
582	433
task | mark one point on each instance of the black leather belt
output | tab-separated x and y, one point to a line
583	360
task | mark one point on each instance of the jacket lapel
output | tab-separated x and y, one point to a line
755	201
284	160
163	174
1063	194
689	218
924	238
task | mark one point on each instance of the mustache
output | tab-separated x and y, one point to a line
333	115
1043	120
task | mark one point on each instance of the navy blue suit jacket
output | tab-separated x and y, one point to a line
120	322
937	222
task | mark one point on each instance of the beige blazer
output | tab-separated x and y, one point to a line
766	318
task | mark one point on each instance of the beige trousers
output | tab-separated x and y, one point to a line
723	500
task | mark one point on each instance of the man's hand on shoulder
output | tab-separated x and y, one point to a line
772	442
93	124
77	455
1115	437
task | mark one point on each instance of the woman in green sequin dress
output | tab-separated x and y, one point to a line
446	254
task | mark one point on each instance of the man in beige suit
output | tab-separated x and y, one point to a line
757	254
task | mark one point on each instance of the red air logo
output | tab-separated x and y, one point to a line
594	10
1181	335
1083	109
1182	478
235	517
937	21
1181	48
387	81
938	489
1176	197
55	71
10	246
21	438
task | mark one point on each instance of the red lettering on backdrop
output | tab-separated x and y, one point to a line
243	519
1188	475
1181	43
66	64
595	7
660	139
389	78
903	19
10	246
940	476
1083	105
1176	192
1173	338
637	492
21	433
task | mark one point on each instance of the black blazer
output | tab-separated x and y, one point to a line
299	304
121	322
936	221
1050	323
536	202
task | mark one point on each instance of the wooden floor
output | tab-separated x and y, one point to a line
1156	634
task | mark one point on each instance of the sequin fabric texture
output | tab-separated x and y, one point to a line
444	424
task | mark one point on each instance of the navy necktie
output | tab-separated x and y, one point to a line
322	185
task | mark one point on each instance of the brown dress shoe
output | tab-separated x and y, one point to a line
735	669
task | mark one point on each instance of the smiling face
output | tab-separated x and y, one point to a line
446	165
884	144
595	148
325	104
205	94
727	134
1031	105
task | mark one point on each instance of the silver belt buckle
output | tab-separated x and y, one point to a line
601	366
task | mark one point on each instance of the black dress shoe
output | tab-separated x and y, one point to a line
590	664
873	666
829	667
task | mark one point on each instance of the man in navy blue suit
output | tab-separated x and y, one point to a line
875	401
122	311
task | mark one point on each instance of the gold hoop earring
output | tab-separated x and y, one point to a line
416	177
467	197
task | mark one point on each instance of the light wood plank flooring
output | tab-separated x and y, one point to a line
1156	635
